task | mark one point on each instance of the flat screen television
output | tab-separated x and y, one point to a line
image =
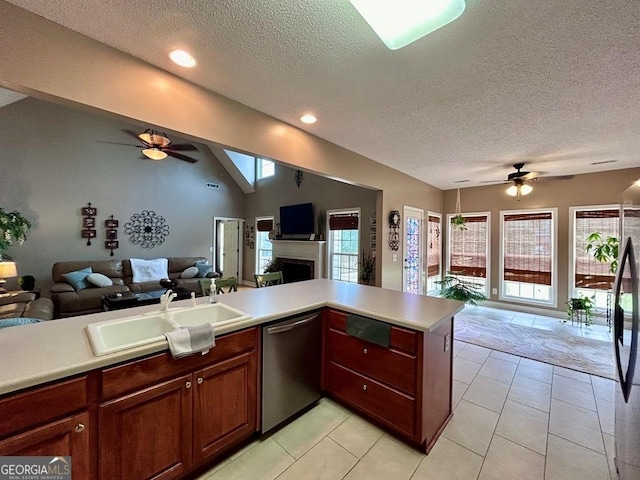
297	219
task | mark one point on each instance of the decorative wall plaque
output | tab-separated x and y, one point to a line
88	223
147	229
111	234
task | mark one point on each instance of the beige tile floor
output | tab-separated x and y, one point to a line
514	418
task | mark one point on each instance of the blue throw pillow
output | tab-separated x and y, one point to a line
78	279
14	322
203	269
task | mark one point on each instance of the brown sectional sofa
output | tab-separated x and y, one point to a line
25	304
70	302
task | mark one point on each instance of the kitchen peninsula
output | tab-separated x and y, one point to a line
405	387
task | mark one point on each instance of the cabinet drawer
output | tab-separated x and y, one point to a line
393	408
401	338
139	374
384	364
42	405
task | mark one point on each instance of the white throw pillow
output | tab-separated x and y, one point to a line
190	272
149	270
99	280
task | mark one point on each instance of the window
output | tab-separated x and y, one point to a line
589	277
344	243
264	247
527	253
469	250
264	168
434	251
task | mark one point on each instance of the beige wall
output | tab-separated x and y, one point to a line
55	159
274	192
581	190
43	59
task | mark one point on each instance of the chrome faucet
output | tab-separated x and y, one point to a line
166	299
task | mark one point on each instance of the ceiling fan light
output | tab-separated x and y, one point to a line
154	153
526	189
152	137
182	58
512	191
401	22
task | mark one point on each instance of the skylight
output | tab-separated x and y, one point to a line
400	22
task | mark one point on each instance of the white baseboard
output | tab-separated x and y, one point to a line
599	317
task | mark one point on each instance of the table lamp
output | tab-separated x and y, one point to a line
7	270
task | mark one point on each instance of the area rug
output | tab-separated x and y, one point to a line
576	353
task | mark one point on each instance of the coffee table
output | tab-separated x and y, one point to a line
118	301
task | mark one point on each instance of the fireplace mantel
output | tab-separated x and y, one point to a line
302	250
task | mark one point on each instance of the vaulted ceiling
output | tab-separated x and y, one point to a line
553	84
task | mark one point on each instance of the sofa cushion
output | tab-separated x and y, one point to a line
203	269
77	279
14	322
149	270
110	268
99	280
41	308
12	310
189	272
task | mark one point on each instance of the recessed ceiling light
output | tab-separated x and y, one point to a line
308	118
182	58
401	22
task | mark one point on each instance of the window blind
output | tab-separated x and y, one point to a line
527	247
590	273
343	221
265	225
468	248
434	254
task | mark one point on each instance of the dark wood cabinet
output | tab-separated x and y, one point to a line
66	437
405	387
170	426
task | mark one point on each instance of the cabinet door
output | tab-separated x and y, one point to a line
147	434
66	437
225	405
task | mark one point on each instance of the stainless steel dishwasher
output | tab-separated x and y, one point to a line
291	360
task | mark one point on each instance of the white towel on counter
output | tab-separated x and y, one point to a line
185	341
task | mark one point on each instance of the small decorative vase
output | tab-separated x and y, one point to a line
27	282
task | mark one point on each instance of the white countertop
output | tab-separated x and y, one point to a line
46	351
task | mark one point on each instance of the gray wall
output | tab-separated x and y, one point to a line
55	159
325	194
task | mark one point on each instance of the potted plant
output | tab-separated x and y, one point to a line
604	250
575	307
13	228
367	268
274	265
458	222
456	289
322	223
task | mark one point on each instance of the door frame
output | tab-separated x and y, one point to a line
214	253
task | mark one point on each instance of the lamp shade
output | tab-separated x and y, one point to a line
8	269
154	153
512	191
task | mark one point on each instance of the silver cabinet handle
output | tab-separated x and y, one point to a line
364	387
79	428
199	380
188	384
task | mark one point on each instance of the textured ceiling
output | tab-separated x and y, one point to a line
554	84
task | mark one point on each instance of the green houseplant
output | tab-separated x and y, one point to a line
604	250
322	223
13	228
458	222
274	265
367	268
575	306
456	289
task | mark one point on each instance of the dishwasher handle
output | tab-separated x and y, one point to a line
292	325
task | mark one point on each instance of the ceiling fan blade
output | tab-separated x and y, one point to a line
134	135
557	177
120	143
182	147
180	156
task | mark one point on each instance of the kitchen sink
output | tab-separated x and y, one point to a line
116	335
215	314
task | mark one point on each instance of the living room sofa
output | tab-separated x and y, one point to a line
70	301
26	305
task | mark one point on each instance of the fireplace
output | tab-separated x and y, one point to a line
302	259
294	270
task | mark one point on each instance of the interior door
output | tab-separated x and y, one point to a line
413	252
231	248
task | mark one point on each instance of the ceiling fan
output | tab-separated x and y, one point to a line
157	146
518	178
